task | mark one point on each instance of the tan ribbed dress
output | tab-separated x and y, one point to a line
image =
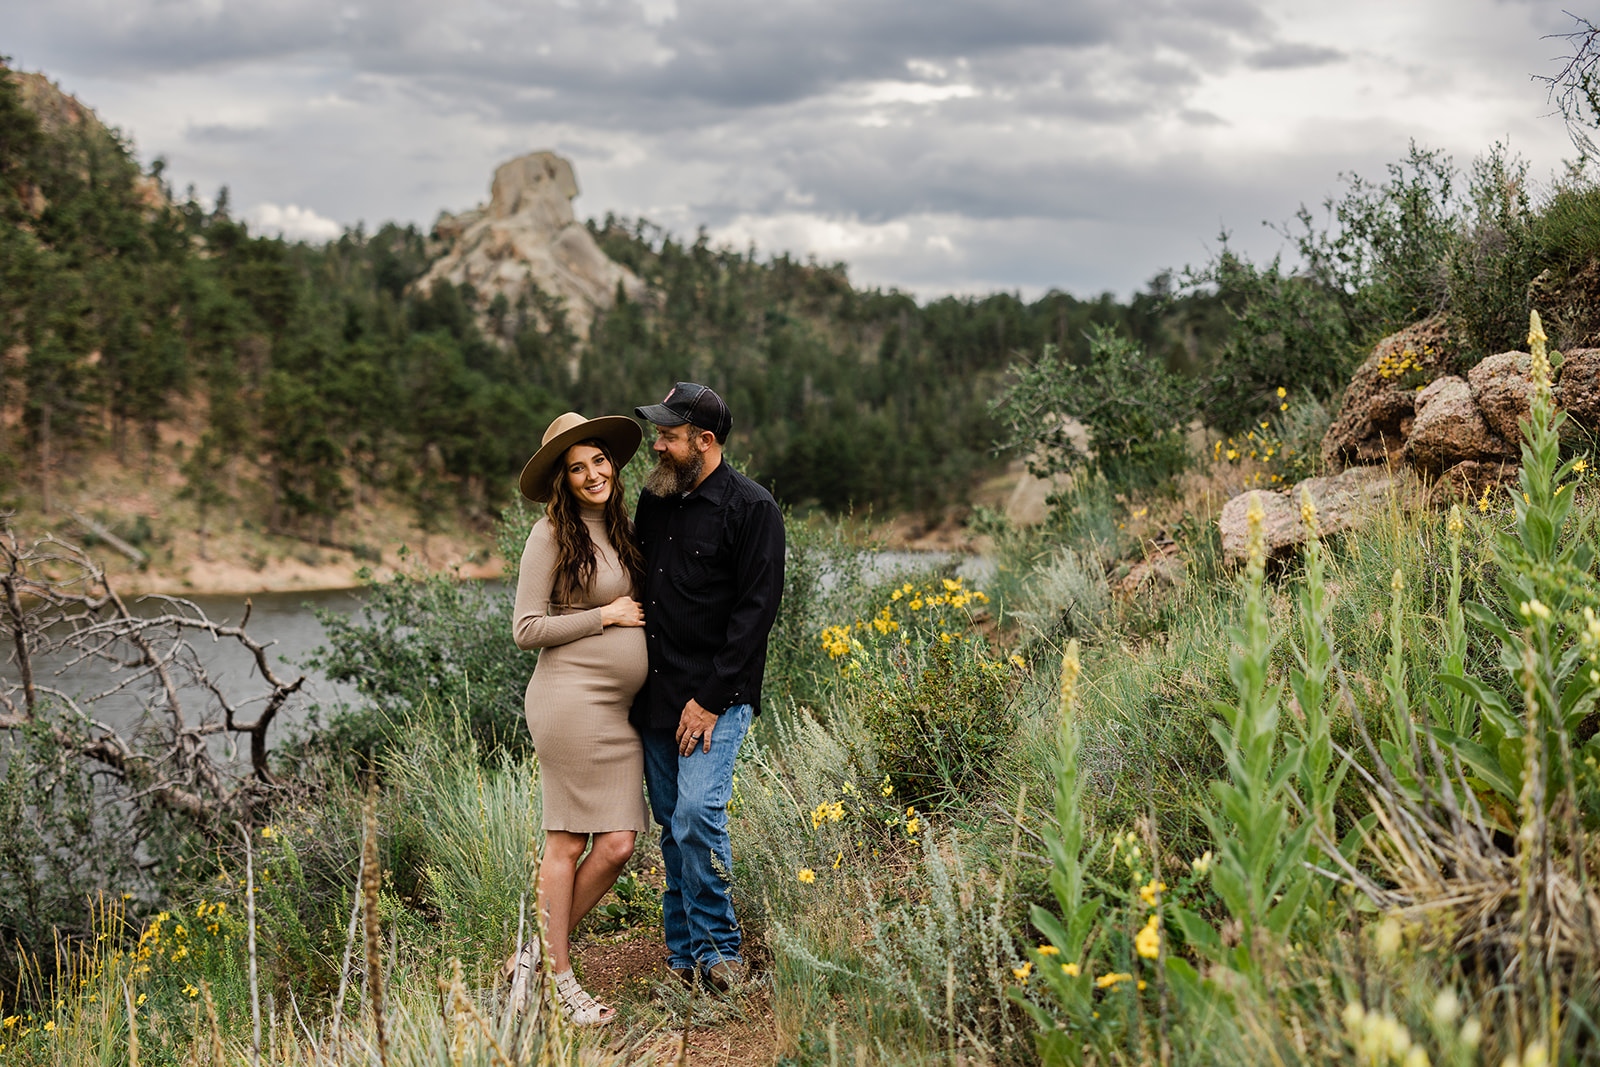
591	764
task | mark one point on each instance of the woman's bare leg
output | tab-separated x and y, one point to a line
599	871
569	890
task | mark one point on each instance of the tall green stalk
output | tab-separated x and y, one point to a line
1258	869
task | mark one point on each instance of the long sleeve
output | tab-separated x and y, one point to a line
532	624
758	567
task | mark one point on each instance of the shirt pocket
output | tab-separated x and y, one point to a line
698	564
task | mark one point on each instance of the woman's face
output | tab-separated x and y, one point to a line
589	475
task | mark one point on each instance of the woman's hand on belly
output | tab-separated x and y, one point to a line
623	611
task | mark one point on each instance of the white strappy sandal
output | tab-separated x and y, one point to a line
578	1006
523	972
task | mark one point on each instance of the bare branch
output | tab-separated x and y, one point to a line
58	603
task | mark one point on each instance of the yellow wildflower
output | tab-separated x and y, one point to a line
952	585
1070	970
1023	972
1049	950
1202	862
1282	392
1147	893
1017	660
49	1027
1106	981
1148	940
806	875
916	604
1580	466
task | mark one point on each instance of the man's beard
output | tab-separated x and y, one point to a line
670	478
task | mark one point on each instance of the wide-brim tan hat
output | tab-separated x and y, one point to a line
620	433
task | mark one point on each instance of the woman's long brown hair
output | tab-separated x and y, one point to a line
575	556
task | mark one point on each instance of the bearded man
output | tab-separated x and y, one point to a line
713	547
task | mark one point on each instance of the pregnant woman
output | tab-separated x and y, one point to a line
575	600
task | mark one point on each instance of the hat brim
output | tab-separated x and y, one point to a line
621	434
660	415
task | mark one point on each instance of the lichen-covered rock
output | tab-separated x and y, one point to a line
1501	387
527	236
1376	417
1449	428
1577	387
1343	502
1466	482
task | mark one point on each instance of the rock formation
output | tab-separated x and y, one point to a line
1449	429
1380	403
1405	415
526	238
59	111
1343	502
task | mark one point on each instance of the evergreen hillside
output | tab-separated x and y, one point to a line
314	375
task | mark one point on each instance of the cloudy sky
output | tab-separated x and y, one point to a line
934	145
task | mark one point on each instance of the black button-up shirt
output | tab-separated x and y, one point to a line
713	578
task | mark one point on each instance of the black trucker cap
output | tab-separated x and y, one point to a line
697	405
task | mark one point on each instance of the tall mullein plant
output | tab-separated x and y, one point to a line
1549	650
1320	775
1258	871
1063	966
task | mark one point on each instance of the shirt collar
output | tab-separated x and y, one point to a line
716	486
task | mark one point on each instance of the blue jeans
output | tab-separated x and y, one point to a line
689	799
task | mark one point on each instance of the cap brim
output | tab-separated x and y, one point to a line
660	415
621	434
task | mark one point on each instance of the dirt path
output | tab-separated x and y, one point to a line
666	1025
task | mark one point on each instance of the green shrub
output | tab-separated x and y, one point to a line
940	721
423	643
1134	409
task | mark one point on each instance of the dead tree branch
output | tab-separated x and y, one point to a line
65	620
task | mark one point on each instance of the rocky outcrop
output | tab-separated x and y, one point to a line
1577	387
1153	578
59	112
1343	502
526	238
1449	429
1468	481
1380	404
1501	388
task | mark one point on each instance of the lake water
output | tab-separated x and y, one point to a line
286	622
289	623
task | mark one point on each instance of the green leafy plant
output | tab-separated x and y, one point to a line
1133	408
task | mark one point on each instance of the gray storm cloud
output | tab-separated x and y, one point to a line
1028	144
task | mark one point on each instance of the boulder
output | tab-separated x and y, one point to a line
1466	482
1153	578
1380	404
1577	387
1343	502
1501	387
1449	428
525	238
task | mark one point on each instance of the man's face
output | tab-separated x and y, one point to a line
680	457
677	446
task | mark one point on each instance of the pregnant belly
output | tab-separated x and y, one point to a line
609	666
